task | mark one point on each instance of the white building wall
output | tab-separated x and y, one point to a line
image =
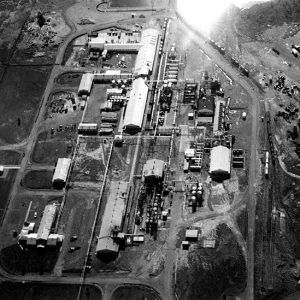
136	105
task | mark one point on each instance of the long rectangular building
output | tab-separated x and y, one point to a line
86	83
107	248
136	105
46	224
145	58
60	175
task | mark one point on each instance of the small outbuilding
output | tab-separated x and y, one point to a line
191	235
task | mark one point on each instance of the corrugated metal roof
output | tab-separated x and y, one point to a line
86	82
113	216
136	105
145	58
61	170
46	222
220	158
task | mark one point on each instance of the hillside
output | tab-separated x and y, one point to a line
257	18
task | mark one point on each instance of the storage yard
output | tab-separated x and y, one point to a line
144	159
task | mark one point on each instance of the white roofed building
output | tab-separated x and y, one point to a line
136	105
145	58
60	175
220	163
45	227
86	83
107	247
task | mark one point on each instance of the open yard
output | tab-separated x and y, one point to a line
79	209
90	161
21	91
50	147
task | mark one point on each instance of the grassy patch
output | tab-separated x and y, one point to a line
69	78
135	292
21	91
8	157
256	19
41	179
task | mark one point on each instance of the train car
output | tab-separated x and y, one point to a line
267	165
244	71
234	62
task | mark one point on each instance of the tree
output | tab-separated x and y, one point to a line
40	19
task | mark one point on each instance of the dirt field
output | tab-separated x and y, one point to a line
41	179
21	96
208	273
79	209
90	161
27	291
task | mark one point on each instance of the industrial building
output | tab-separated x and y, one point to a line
206	110
136	105
60	175
220	162
145	45
43	237
153	170
116	40
86	84
145	58
219	118
108	246
88	128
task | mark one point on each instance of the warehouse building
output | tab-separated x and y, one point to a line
43	237
88	128
145	45
136	105
45	227
108	246
153	170
145	58
60	175
86	83
220	162
116	40
205	110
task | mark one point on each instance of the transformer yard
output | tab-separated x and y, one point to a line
139	174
